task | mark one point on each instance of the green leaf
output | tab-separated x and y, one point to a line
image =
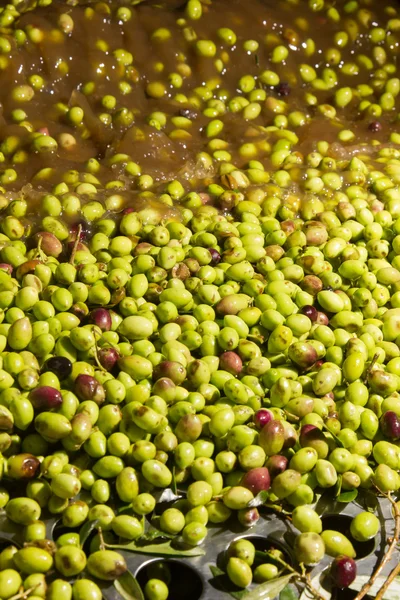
259	499
128	587
268	590
289	592
338	486
338	441
158	549
221	577
86	530
153	534
393	593
347	496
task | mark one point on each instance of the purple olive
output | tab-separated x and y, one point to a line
375	126
102	318
257	479
45	398
262	417
310	312
276	464
231	362
215	256
283	88
108	357
390	425
87	387
85	232
343	571
59	365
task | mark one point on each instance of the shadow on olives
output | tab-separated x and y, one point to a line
262	544
182	580
342	523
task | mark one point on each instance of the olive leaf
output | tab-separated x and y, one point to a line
268	590
167	495
128	587
153	534
165	548
392	593
338	441
86	530
258	500
289	592
338	486
347	496
173	484
220	579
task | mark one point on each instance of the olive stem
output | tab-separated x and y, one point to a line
303	576
381	593
76	243
23	594
371	366
102	544
278	509
394	541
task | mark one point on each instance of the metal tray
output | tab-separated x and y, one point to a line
192	578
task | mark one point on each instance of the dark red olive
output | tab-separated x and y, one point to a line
310	312
262	417
343	571
257	479
276	464
45	398
390	425
108	357
375	126
215	256
102	318
231	362
87	387
59	365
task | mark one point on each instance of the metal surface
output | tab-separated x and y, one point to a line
271	529
192	578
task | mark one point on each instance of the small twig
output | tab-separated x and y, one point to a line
371	366
303	576
292	416
96	352
24	594
278	509
394	541
102	544
76	244
380	595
